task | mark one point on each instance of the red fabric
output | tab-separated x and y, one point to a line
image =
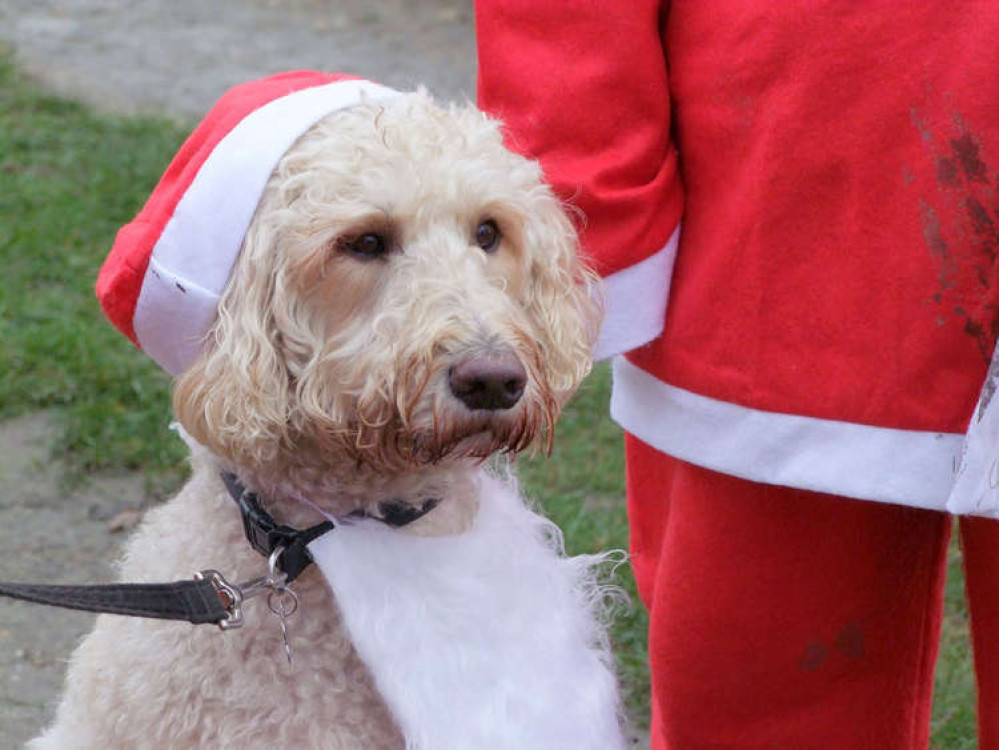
120	278
980	545
839	167
783	618
564	79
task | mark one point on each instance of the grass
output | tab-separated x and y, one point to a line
953	723
69	178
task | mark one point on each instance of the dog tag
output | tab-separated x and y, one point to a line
283	602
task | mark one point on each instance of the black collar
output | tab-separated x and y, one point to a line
266	535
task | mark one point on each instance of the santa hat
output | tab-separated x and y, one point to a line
162	281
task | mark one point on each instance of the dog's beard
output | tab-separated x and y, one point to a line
479	436
448	433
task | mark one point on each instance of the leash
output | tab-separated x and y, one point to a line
196	601
209	597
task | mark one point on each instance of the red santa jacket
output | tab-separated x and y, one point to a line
834	304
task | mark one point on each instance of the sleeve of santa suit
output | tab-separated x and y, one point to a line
582	86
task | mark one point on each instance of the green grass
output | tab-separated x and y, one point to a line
953	721
69	178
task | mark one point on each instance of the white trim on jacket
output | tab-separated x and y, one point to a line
906	467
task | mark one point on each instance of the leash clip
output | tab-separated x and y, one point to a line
230	596
281	600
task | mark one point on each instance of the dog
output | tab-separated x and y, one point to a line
408	301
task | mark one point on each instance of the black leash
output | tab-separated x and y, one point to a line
210	598
196	601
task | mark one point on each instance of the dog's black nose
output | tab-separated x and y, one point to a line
493	381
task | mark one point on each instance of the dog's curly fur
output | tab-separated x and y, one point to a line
326	376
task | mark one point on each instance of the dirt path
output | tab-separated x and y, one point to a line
173	58
54	534
177	56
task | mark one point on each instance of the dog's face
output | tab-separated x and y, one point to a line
408	292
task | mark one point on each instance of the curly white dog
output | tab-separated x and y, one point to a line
406	302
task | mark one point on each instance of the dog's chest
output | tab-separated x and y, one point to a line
454	630
209	688
327	683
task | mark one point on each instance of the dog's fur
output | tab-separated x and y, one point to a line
326	377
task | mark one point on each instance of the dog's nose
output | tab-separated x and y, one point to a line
493	382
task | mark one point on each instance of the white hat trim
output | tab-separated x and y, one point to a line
193	258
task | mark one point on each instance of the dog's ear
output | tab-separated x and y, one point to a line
235	398
563	295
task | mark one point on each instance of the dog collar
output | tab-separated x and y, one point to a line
267	536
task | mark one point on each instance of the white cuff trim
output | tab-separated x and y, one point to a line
635	302
906	467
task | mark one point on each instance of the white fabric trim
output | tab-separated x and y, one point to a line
635	302
485	639
203	237
905	467
976	487
172	340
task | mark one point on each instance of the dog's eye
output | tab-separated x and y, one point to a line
368	245
487	235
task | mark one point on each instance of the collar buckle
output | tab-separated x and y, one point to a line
284	545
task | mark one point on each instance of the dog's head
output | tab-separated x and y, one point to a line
408	291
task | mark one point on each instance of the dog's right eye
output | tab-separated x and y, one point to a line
487	236
367	246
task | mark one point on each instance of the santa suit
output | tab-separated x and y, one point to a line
795	208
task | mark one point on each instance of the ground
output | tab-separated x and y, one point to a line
177	56
48	533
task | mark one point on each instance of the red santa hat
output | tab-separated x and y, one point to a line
162	281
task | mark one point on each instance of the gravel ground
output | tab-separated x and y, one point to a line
177	56
170	58
53	534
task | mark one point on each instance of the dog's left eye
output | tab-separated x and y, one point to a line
368	245
487	235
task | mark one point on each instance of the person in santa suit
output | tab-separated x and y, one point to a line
795	209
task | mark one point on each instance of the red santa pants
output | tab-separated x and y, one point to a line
781	618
